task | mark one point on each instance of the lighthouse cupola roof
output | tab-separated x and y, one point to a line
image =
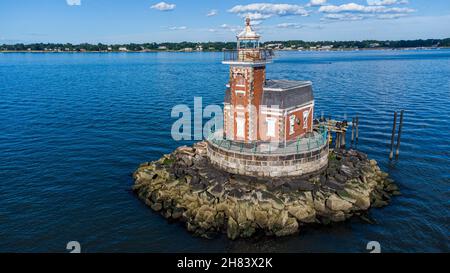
248	33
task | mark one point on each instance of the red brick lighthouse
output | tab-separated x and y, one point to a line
258	109
247	77
268	124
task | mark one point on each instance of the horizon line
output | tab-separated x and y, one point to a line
198	42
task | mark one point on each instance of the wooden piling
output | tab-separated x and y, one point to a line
343	135
337	141
399	133
391	155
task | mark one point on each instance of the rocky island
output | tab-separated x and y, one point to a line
185	186
270	168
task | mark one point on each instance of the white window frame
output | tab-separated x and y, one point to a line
305	119
292	124
271	126
240	127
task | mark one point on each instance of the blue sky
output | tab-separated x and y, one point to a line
124	21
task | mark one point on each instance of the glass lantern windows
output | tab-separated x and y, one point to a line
248	44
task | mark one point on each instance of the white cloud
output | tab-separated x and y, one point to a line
178	28
343	17
261	11
212	12
352	7
391	16
230	28
314	3
289	25
361	16
257	16
386	2
163	6
73	2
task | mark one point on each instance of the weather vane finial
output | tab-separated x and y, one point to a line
247	20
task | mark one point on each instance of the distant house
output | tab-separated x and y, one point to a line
109	48
326	48
275	46
162	48
187	49
123	49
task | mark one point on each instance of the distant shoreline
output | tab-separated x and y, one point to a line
210	51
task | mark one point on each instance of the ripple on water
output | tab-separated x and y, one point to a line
74	127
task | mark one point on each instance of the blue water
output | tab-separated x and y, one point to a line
75	126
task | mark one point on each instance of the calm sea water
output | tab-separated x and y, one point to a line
73	127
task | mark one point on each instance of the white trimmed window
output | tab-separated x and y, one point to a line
271	125
240	127
291	124
305	119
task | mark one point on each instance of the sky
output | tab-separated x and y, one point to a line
139	21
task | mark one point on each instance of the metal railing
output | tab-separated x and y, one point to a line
312	142
248	55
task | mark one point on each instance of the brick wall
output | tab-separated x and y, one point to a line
299	129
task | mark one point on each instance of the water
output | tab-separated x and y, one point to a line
75	126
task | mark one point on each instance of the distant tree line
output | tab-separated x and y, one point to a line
209	46
366	43
218	46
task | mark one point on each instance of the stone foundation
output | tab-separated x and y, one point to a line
269	165
184	186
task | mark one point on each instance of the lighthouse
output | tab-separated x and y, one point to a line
245	89
268	124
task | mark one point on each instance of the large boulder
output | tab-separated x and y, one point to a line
362	200
290	227
303	213
336	203
232	229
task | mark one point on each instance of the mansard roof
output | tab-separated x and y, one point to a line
284	94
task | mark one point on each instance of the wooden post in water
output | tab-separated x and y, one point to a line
357	128
337	141
391	155
399	133
343	135
353	129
